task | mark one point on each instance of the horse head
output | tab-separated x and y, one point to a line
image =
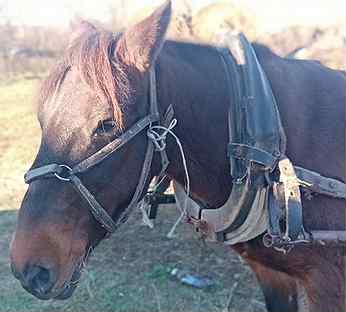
97	91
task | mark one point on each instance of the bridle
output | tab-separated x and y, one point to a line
66	174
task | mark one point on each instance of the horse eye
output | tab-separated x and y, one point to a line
106	126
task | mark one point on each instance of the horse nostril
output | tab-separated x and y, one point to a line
39	279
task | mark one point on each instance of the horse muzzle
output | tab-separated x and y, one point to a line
41	282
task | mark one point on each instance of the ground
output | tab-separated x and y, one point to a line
130	271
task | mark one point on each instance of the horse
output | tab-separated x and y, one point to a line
100	88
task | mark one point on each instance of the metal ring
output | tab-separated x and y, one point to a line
268	240
63	178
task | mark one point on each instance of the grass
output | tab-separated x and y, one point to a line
19	138
130	271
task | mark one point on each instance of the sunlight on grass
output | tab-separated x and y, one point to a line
19	138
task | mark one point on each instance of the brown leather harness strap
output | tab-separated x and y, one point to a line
317	183
115	145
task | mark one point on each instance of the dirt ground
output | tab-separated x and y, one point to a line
130	271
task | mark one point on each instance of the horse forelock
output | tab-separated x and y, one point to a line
92	55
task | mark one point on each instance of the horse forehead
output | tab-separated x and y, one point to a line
70	104
66	117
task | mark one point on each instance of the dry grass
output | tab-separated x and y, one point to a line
19	138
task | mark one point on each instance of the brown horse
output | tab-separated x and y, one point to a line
100	88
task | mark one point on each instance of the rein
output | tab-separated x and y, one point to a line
67	174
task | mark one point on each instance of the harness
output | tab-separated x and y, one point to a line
264	178
266	193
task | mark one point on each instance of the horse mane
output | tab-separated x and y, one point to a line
92	55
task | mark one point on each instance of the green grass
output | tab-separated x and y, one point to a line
128	272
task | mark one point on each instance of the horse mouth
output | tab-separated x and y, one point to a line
67	291
69	287
63	293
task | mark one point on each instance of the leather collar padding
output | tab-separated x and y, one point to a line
254	120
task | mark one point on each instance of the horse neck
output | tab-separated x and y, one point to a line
192	79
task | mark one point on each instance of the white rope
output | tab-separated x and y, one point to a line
143	207
159	141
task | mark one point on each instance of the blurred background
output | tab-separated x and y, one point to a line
131	271
33	33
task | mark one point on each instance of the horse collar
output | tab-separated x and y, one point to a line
265	197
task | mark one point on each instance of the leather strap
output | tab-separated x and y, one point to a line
113	146
252	154
43	172
276	209
141	184
234	90
100	214
319	184
293	204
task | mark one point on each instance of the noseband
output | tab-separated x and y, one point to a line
66	174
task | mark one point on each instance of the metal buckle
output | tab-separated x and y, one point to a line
285	244
66	169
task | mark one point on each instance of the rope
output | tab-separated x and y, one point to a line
143	206
159	141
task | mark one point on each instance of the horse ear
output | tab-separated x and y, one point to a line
79	27
140	45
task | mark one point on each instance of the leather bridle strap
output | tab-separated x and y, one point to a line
66	174
100	214
113	146
141	184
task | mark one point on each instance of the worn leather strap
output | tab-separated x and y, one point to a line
43	172
276	209
293	203
115	145
317	183
252	154
141	184
234	95
100	214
